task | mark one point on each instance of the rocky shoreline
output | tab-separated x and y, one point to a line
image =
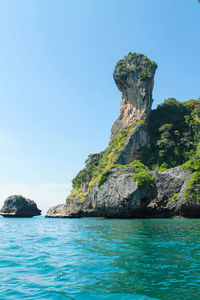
114	183
121	197
122	181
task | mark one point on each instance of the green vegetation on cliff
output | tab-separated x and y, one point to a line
192	165
103	177
96	164
141	141
174	132
175	141
192	192
85	175
142	175
134	62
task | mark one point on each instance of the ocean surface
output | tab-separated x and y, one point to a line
94	258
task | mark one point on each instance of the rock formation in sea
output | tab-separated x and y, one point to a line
134	77
115	183
19	206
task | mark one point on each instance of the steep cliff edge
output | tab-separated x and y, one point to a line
134	77
117	182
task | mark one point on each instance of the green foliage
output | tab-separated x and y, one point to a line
198	150
87	173
78	195
174	196
138	166
21	196
191	165
144	75
103	177
121	173
192	192
175	140
143	179
174	132
139	63
142	175
163	167
97	163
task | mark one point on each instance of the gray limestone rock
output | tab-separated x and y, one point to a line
18	206
119	196
64	211
132	149
134	77
170	201
180	206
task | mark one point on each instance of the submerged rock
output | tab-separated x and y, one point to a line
19	206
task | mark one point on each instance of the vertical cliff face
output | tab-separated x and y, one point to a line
103	187
114	182
134	77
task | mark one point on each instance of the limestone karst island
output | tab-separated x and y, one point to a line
100	150
151	166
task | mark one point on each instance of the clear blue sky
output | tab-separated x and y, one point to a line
58	99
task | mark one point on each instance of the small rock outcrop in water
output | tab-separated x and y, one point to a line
18	206
117	182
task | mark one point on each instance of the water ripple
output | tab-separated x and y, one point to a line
99	259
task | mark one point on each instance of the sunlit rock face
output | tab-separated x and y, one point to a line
114	182
119	196
134	77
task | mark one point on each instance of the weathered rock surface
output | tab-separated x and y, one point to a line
18	206
120	196
64	211
134	77
180	206
168	183
132	149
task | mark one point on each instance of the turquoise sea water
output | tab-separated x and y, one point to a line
93	258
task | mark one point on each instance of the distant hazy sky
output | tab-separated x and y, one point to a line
58	99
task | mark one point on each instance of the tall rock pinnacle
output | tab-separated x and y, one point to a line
134	77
